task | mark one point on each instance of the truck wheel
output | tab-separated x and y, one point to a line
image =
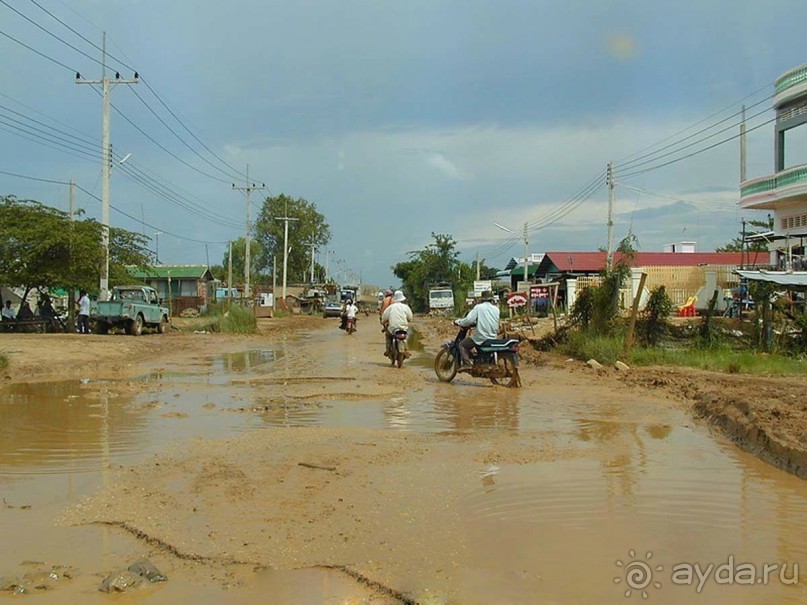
101	327
162	327
136	326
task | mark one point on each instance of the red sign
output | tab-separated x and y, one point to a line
516	299
539	292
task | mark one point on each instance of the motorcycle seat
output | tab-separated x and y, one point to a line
497	344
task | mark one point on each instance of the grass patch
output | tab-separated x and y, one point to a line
3	362
717	358
587	345
232	319
720	359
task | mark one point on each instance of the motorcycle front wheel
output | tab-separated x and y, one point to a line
507	367
445	365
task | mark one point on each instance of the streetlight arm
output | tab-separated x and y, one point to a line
502	227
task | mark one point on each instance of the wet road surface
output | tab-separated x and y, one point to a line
577	494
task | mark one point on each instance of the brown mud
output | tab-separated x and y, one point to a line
355	481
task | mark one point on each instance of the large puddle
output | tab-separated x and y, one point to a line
624	486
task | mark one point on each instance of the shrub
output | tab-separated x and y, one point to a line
653	324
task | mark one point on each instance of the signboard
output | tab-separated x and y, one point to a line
516	299
481	286
539	292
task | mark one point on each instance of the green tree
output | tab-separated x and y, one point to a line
437	263
310	227
751	228
239	248
40	247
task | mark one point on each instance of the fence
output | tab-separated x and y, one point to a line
680	282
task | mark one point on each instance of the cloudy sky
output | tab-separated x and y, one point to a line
398	119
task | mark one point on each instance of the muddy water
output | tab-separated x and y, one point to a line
620	485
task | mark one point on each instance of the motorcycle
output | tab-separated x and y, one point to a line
350	325
496	359
399	350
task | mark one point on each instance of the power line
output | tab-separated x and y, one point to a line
34	178
126	214
50	33
41	54
636	163
694	153
683	130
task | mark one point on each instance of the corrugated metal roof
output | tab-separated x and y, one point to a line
175	271
595	261
781	278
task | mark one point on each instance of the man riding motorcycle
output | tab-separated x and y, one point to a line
396	316
485	318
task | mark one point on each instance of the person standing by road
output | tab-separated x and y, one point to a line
9	314
485	318
83	313
397	316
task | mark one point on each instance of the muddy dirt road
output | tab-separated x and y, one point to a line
297	466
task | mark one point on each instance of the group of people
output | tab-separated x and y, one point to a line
44	310
484	317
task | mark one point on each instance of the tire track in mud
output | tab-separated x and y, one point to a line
184	556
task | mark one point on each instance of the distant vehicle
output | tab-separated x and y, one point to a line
348	293
223	293
132	308
441	300
331	309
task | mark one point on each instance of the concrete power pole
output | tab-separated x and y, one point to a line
285	249
230	272
248	189
106	165
609	178
71	292
313	246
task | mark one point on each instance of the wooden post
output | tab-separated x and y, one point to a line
634	312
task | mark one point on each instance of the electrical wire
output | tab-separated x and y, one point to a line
40	53
636	164
150	226
33	178
694	153
709	117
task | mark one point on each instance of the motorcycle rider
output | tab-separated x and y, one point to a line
397	316
485	317
350	312
386	301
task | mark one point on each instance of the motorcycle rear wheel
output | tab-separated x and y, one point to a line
511	378
445	365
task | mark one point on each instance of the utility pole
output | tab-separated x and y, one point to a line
477	265
248	189
285	248
526	257
609	179
106	165
71	292
157	247
274	282
313	245
230	272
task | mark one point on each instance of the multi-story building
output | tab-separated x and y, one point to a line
784	193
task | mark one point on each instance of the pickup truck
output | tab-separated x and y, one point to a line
131	308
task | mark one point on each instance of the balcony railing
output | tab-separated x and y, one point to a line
791	78
780	180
